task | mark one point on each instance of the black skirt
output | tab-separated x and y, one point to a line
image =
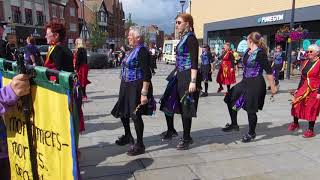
129	99
183	82
248	94
205	72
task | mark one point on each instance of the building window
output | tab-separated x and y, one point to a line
28	13
73	27
61	12
54	10
40	18
72	12
16	14
102	18
1	12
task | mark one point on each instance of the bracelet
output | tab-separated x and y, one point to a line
144	93
193	80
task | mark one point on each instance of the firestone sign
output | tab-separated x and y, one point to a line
268	19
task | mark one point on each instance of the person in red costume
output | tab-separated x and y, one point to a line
226	74
306	99
58	57
81	66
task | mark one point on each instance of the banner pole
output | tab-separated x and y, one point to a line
26	105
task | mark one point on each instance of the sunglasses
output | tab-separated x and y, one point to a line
178	22
309	52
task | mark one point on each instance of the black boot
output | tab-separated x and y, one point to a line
248	137
168	135
184	144
124	140
136	150
230	127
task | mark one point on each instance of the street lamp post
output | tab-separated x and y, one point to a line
289	42
83	29
182	2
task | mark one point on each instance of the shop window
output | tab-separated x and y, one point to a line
16	14
72	12
40	18
28	13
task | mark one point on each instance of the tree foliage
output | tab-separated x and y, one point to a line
97	36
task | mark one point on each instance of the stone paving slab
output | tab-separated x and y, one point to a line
173	173
100	170
275	154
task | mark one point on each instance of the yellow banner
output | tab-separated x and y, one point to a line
52	130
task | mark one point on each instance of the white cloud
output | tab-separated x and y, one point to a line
146	12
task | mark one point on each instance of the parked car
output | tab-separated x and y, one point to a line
43	51
98	61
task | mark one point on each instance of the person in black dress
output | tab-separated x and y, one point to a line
5	50
206	68
250	93
135	95
59	57
183	83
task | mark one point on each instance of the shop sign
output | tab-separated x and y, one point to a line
269	19
35	33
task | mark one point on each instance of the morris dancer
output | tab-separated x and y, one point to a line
135	92
250	93
226	74
306	103
185	84
206	68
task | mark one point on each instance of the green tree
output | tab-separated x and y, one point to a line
97	36
127	25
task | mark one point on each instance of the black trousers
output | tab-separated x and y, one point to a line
252	118
138	125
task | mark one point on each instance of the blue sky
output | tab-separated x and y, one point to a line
160	12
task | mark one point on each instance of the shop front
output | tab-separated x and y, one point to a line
235	30
22	32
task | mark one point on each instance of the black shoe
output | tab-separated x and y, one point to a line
184	144
204	94
168	135
123	140
136	150
248	137
230	127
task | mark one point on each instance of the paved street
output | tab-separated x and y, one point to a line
275	154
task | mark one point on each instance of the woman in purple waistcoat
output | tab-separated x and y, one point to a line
182	93
135	95
250	93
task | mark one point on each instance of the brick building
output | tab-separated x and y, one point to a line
66	12
110	17
116	28
24	18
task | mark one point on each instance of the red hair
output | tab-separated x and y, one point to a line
57	28
187	18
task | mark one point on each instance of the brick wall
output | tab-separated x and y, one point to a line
1	11
71	19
